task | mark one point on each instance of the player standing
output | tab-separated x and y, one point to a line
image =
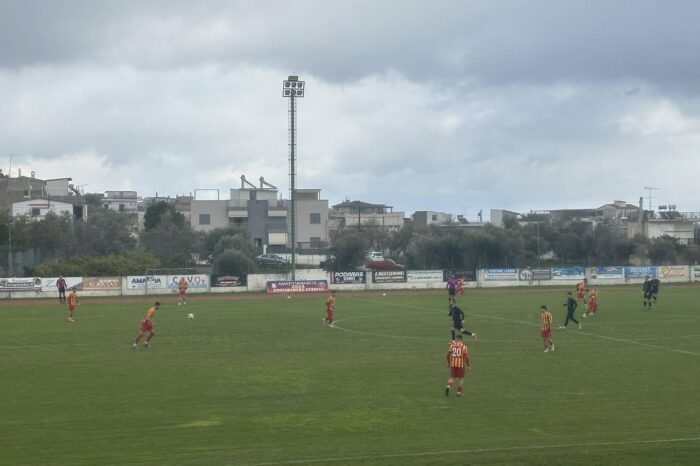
646	291
72	300
593	303
460	287
581	290
61	285
330	310
546	328
182	288
459	364
457	325
451	289
571	306
655	283
147	325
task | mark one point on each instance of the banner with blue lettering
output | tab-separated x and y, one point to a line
640	271
568	273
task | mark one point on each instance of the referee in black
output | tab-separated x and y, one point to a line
571	306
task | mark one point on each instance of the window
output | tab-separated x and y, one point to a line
315	242
237	221
122	208
434	217
315	219
204	219
36	212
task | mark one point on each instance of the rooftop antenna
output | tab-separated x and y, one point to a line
650	189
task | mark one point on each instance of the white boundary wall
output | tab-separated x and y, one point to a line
163	285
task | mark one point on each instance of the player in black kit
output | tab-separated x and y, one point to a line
650	289
457	325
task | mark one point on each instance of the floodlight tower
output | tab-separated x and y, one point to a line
293	88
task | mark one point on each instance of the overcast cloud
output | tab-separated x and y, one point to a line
444	105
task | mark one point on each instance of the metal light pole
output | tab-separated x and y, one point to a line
293	88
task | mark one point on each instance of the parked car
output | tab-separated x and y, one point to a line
386	264
271	259
375	256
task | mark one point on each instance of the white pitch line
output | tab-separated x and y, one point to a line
620	340
475	450
604	337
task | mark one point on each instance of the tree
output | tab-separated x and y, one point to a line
171	243
349	249
231	261
162	212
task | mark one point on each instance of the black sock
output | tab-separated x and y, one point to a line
453	334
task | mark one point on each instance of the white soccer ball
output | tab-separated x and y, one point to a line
289	297
383	294
190	316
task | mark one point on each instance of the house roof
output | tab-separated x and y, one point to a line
359	204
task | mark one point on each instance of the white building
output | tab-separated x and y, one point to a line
38	208
121	201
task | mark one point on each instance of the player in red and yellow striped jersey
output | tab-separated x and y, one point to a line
182	289
147	325
593	303
72	301
581	290
546	328
459	364
330	310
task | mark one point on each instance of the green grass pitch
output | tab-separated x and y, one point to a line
259	380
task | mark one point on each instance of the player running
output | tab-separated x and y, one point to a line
147	325
546	329
72	300
459	364
655	283
330	310
571	306
182	288
457	325
592	304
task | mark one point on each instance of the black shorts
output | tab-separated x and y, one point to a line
458	325
451	291
648	294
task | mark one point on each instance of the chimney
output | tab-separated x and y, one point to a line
640	217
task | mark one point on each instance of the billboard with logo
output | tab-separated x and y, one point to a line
20	284
568	273
349	278
142	282
194	282
501	275
298	286
640	271
102	283
424	276
531	275
673	271
49	284
609	272
389	276
228	281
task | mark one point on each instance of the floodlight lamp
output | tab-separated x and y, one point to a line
300	93
287	92
286	84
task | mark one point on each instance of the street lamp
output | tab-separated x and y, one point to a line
292	88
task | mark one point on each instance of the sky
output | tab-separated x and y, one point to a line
451	106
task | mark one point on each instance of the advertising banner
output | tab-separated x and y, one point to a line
531	275
141	282
349	278
298	286
466	275
697	271
102	283
49	284
502	275
640	271
389	276
603	273
672	271
194	282
568	273
228	281
20	284
424	276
